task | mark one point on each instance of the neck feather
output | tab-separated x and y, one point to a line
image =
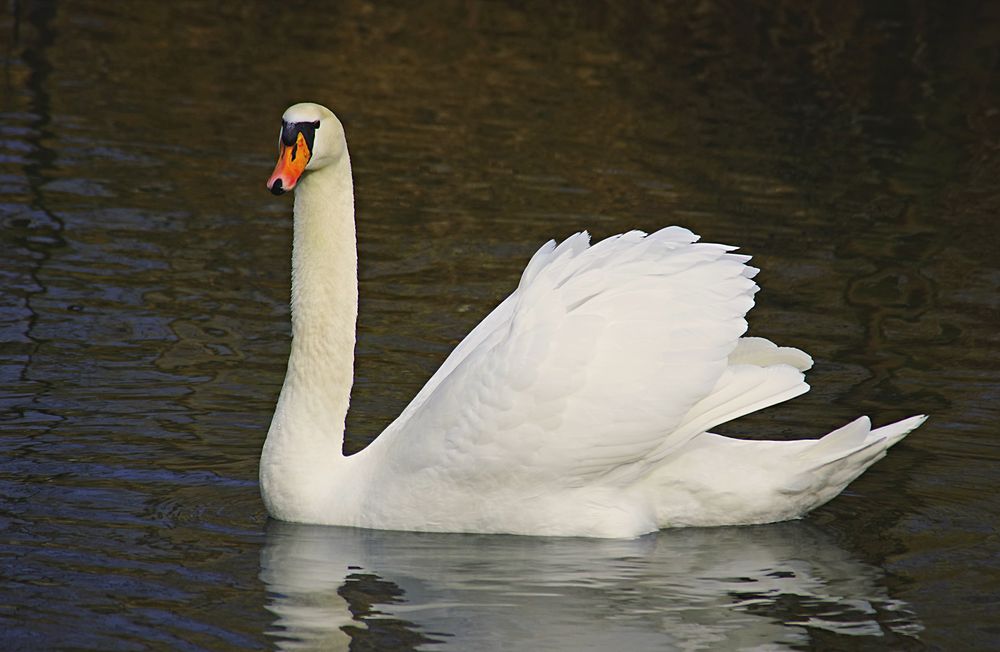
305	441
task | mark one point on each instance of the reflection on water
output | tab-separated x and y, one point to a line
698	589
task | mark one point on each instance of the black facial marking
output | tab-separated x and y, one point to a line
290	131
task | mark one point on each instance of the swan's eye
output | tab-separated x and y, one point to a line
291	130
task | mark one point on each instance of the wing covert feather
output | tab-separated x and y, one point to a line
589	366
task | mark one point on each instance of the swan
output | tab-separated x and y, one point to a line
580	406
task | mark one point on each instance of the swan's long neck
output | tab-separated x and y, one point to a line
303	451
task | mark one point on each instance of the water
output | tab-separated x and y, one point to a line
144	327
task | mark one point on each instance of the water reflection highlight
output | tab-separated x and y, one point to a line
695	589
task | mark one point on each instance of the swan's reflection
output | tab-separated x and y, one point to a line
718	588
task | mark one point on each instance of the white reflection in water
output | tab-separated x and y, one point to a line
761	587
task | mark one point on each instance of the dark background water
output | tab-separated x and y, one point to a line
853	148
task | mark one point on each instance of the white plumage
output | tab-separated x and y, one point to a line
580	406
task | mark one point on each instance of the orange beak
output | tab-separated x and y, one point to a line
292	160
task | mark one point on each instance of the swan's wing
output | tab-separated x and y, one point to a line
588	367
760	352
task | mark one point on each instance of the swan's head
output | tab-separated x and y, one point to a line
311	138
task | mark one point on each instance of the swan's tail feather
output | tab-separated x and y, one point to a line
844	454
715	480
858	437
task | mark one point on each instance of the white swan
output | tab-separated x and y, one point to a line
579	407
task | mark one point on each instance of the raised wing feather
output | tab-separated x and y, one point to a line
587	368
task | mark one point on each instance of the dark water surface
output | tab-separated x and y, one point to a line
853	150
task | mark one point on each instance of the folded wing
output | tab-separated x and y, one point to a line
587	369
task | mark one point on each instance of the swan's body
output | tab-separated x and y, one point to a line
580	406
